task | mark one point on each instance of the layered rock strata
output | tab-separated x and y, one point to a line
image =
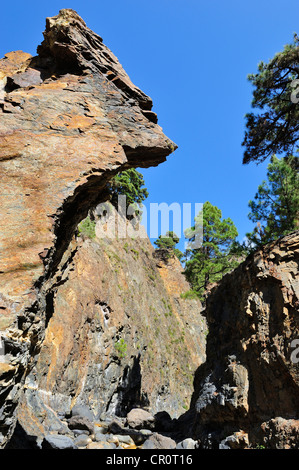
70	119
119	336
247	392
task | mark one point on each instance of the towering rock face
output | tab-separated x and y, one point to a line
70	119
99	320
120	336
247	392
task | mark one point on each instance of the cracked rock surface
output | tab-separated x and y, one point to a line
247	392
70	119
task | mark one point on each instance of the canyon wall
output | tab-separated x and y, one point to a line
247	392
70	119
119	336
100	321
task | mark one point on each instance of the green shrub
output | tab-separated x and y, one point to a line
87	228
121	348
135	254
190	294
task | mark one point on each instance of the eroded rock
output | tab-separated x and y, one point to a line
70	119
247	392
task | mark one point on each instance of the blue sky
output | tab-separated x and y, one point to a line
192	57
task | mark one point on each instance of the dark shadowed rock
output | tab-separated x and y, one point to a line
279	433
164	422
81	423
247	392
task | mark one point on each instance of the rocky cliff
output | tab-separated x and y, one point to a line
247	392
119	336
70	119
93	326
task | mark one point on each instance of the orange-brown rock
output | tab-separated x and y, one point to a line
70	119
118	336
250	381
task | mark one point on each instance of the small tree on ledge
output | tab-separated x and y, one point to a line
168	243
129	183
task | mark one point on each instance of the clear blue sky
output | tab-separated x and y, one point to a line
192	57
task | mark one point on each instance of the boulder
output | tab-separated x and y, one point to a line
83	411
158	441
138	418
164	422
101	445
81	423
82	440
187	444
238	440
123	439
99	432
57	441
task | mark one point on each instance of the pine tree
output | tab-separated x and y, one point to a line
168	243
129	183
274	128
275	208
214	258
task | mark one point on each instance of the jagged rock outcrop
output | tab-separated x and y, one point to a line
247	392
97	324
70	119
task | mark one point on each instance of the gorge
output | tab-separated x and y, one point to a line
93	329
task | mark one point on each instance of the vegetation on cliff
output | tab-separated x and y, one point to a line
87	228
168	242
128	183
274	129
276	203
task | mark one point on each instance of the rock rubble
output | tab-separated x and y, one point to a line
114	433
